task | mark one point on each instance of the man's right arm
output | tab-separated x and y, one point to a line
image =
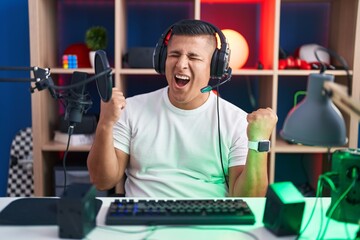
106	164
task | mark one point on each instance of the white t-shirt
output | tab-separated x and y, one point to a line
175	152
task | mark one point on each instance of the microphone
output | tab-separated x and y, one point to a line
104	83
208	88
78	100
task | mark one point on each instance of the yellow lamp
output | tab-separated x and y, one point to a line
239	48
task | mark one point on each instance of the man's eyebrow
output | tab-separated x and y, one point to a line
190	54
175	51
193	54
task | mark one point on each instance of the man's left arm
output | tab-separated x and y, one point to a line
251	180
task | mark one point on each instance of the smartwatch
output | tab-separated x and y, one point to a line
259	146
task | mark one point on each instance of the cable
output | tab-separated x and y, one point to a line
219	135
71	86
296	95
227	229
321	207
337	203
326	178
70	132
152	229
340	59
318	196
309	220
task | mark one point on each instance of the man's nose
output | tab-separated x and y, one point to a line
183	62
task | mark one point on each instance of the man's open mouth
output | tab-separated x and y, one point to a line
181	80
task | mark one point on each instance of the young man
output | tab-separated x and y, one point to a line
167	142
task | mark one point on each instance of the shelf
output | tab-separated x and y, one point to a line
70	71
292	72
252	72
132	71
281	146
55	146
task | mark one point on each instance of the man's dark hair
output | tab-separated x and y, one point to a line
193	27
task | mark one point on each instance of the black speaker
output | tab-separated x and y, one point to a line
86	126
284	209
219	61
139	57
346	166
76	212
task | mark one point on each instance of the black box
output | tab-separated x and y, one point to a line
284	209
76	211
139	57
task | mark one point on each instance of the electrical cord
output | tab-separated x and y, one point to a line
296	95
70	132
340	59
151	230
326	177
79	84
219	135
322	179
320	188
318	196
337	203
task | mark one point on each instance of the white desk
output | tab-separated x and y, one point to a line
336	230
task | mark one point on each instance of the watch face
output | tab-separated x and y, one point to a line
264	146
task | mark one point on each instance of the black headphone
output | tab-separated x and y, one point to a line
219	61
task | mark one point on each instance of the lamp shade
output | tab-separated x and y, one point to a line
315	121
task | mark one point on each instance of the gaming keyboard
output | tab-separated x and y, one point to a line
179	212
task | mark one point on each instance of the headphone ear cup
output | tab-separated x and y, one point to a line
162	59
223	62
157	56
160	54
214	64
219	64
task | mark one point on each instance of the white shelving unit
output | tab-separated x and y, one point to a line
344	38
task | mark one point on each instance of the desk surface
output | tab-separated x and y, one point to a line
336	230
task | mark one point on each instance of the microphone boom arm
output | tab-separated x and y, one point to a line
43	80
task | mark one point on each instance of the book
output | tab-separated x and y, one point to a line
76	139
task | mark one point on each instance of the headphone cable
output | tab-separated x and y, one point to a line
219	134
